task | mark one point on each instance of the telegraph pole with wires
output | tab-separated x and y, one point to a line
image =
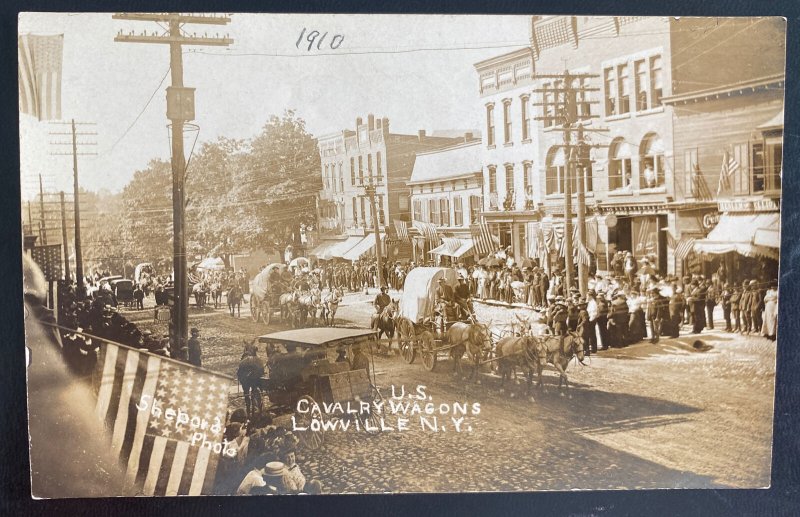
180	110
74	143
571	114
370	192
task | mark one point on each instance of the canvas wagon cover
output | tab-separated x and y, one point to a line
419	291
261	281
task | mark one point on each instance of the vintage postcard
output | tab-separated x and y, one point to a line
326	254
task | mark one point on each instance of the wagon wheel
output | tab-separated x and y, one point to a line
310	439
266	312
255	310
371	422
408	350
429	357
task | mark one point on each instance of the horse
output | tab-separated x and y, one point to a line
384	323
234	297
559	351
288	305
468	337
307	304
330	304
514	351
249	373
216	293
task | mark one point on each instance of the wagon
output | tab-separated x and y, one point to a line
263	299
417	306
303	367
123	291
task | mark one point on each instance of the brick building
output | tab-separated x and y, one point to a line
353	159
636	183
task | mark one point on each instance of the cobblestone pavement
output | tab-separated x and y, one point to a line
644	416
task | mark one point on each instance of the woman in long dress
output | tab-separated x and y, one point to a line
770	325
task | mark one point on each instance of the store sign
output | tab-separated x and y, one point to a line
611	221
749	205
710	220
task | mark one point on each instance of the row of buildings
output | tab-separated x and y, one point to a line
685	121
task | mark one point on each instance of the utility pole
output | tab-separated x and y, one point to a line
180	109
64	238
370	191
75	188
571	112
42	229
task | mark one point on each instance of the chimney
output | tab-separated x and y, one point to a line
377	123
385	125
467	137
421	134
359	121
371	121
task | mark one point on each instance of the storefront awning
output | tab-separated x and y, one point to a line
464	247
362	247
339	250
323	250
737	232
767	238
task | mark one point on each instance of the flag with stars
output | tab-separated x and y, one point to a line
48	258
155	410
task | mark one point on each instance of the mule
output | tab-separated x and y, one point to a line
559	351
517	351
473	338
307	304
234	297
330	304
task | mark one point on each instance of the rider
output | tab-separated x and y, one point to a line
445	299
463	298
382	301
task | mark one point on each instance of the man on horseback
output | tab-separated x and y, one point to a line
382	300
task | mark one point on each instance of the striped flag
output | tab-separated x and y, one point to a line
671	241
39	75
401	227
729	167
428	230
156	411
684	247
700	188
482	237
582	254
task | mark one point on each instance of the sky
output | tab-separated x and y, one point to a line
416	70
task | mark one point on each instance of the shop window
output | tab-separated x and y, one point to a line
651	162
490	124
619	166
458	213
556	171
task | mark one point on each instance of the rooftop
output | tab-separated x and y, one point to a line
454	162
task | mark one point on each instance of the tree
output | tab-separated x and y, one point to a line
276	184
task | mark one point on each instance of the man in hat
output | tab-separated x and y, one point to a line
756	306
195	354
293	480
736	295
677	302
560	314
585	328
463	298
657	313
698	296
711	302
360	361
444	294
618	320
590	327
382	300
725	298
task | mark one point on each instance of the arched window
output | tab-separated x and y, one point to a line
619	165
556	171
651	162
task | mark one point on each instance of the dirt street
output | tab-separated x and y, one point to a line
644	416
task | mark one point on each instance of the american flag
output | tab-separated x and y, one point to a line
39	75
428	230
156	446
729	167
402	229
48	258
700	188
681	247
482	237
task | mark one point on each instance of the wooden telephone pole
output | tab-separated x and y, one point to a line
74	143
180	109
370	192
571	114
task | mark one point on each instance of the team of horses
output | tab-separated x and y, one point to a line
307	308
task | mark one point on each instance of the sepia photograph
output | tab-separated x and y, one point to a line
278	254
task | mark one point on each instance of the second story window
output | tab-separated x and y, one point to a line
526	118
619	166
378	165
369	165
474	209
509	180
624	89
656	81
352	171
458	214
610	92
490	124
341	178
492	179
641	87
507	121
360	170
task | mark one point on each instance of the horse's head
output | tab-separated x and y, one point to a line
481	336
576	346
250	348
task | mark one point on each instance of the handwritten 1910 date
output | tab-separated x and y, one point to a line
315	39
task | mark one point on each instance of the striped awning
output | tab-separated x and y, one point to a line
464	247
736	232
362	247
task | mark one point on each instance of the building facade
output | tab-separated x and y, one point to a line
634	182
446	191
351	160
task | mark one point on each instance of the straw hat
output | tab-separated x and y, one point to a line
275	469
